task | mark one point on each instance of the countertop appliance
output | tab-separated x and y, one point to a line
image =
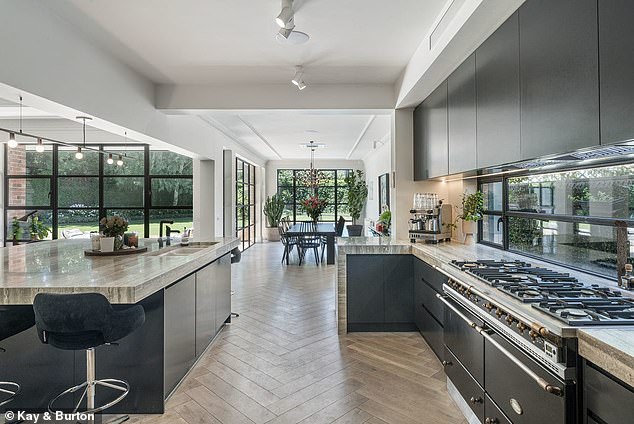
431	225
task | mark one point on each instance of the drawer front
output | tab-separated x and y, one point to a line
469	389
606	398
432	332
464	342
493	414
518	395
431	276
432	303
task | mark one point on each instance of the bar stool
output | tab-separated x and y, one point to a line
13	320
83	322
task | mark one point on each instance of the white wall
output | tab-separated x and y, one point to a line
376	163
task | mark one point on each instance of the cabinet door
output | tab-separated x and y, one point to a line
223	290
558	76
461	106
616	62
435	135
605	398
365	289
180	330
205	307
399	288
469	389
464	342
420	165
498	96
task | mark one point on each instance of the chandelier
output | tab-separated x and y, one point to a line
311	177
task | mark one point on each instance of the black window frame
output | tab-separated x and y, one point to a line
248	188
102	208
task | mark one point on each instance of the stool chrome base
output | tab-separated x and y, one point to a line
89	387
9	388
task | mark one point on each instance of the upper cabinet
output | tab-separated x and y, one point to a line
461	106
616	61
559	78
498	96
431	154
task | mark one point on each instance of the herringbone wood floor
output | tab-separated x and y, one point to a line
282	361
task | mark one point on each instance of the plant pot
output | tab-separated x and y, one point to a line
355	230
107	244
271	234
469	229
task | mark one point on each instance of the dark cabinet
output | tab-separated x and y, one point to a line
431	143
558	76
420	170
223	290
464	342
616	61
428	310
380	293
205	307
498	96
492	413
606	400
180	330
461	113
471	391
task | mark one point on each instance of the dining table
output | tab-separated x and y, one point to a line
321	230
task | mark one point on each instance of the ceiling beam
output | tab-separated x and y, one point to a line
363	131
260	136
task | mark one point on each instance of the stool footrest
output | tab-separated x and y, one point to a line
110	383
9	388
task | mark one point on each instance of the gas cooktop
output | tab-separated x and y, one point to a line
557	294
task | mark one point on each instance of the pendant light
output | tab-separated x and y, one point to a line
39	147
79	154
12	141
110	161
120	161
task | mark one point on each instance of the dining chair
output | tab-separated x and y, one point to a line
309	242
289	242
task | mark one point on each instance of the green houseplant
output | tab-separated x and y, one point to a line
472	212
273	210
357	195
39	231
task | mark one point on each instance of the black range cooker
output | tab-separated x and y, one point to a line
526	371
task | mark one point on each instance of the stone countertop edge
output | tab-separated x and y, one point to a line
126	293
611	348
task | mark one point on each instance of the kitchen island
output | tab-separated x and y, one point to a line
186	294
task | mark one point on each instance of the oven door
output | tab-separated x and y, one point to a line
517	393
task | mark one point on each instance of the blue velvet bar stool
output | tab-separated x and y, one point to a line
83	322
13	320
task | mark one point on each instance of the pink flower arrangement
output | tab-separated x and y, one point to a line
314	207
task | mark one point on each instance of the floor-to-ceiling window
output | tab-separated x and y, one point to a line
245	203
70	195
293	187
582	218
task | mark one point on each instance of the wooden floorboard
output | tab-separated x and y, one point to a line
282	362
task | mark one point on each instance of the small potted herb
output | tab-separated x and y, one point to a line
357	195
472	212
273	210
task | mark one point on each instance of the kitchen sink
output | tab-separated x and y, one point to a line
178	250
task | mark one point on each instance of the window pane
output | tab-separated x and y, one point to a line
78	192
182	219
252	175
492	196
77	223
24	160
492	229
133	216
239	171
133	161
169	163
45	216
29	191
172	192
69	165
585	246
123	192
601	192
284	177
327	194
341	175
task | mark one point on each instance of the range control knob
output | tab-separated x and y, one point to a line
521	327
534	334
446	363
510	320
475	400
500	313
491	421
489	306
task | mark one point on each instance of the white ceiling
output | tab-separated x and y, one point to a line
278	134
232	41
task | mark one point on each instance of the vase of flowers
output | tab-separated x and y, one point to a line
314	207
112	228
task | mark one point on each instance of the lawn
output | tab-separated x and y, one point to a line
134	226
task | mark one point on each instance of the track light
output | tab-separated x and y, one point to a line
285	18
120	161
12	141
79	154
39	147
286	32
110	161
298	79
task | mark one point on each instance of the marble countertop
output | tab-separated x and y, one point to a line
609	347
59	266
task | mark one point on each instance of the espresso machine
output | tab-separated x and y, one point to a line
432	224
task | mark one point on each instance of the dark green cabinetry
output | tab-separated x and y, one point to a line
433	153
428	310
605	399
461	109
559	76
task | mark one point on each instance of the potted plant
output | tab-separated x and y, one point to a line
472	212
314	207
357	195
384	223
273	210
16	230
39	231
112	228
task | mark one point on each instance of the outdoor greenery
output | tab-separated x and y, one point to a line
472	206
273	209
357	193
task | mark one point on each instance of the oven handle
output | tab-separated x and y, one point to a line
550	388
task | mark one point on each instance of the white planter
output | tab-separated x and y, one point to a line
469	229
107	244
271	234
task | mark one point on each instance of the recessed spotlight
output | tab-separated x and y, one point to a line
311	131
298	79
12	141
294	38
285	18
285	32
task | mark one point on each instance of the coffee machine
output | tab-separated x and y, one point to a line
431	225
